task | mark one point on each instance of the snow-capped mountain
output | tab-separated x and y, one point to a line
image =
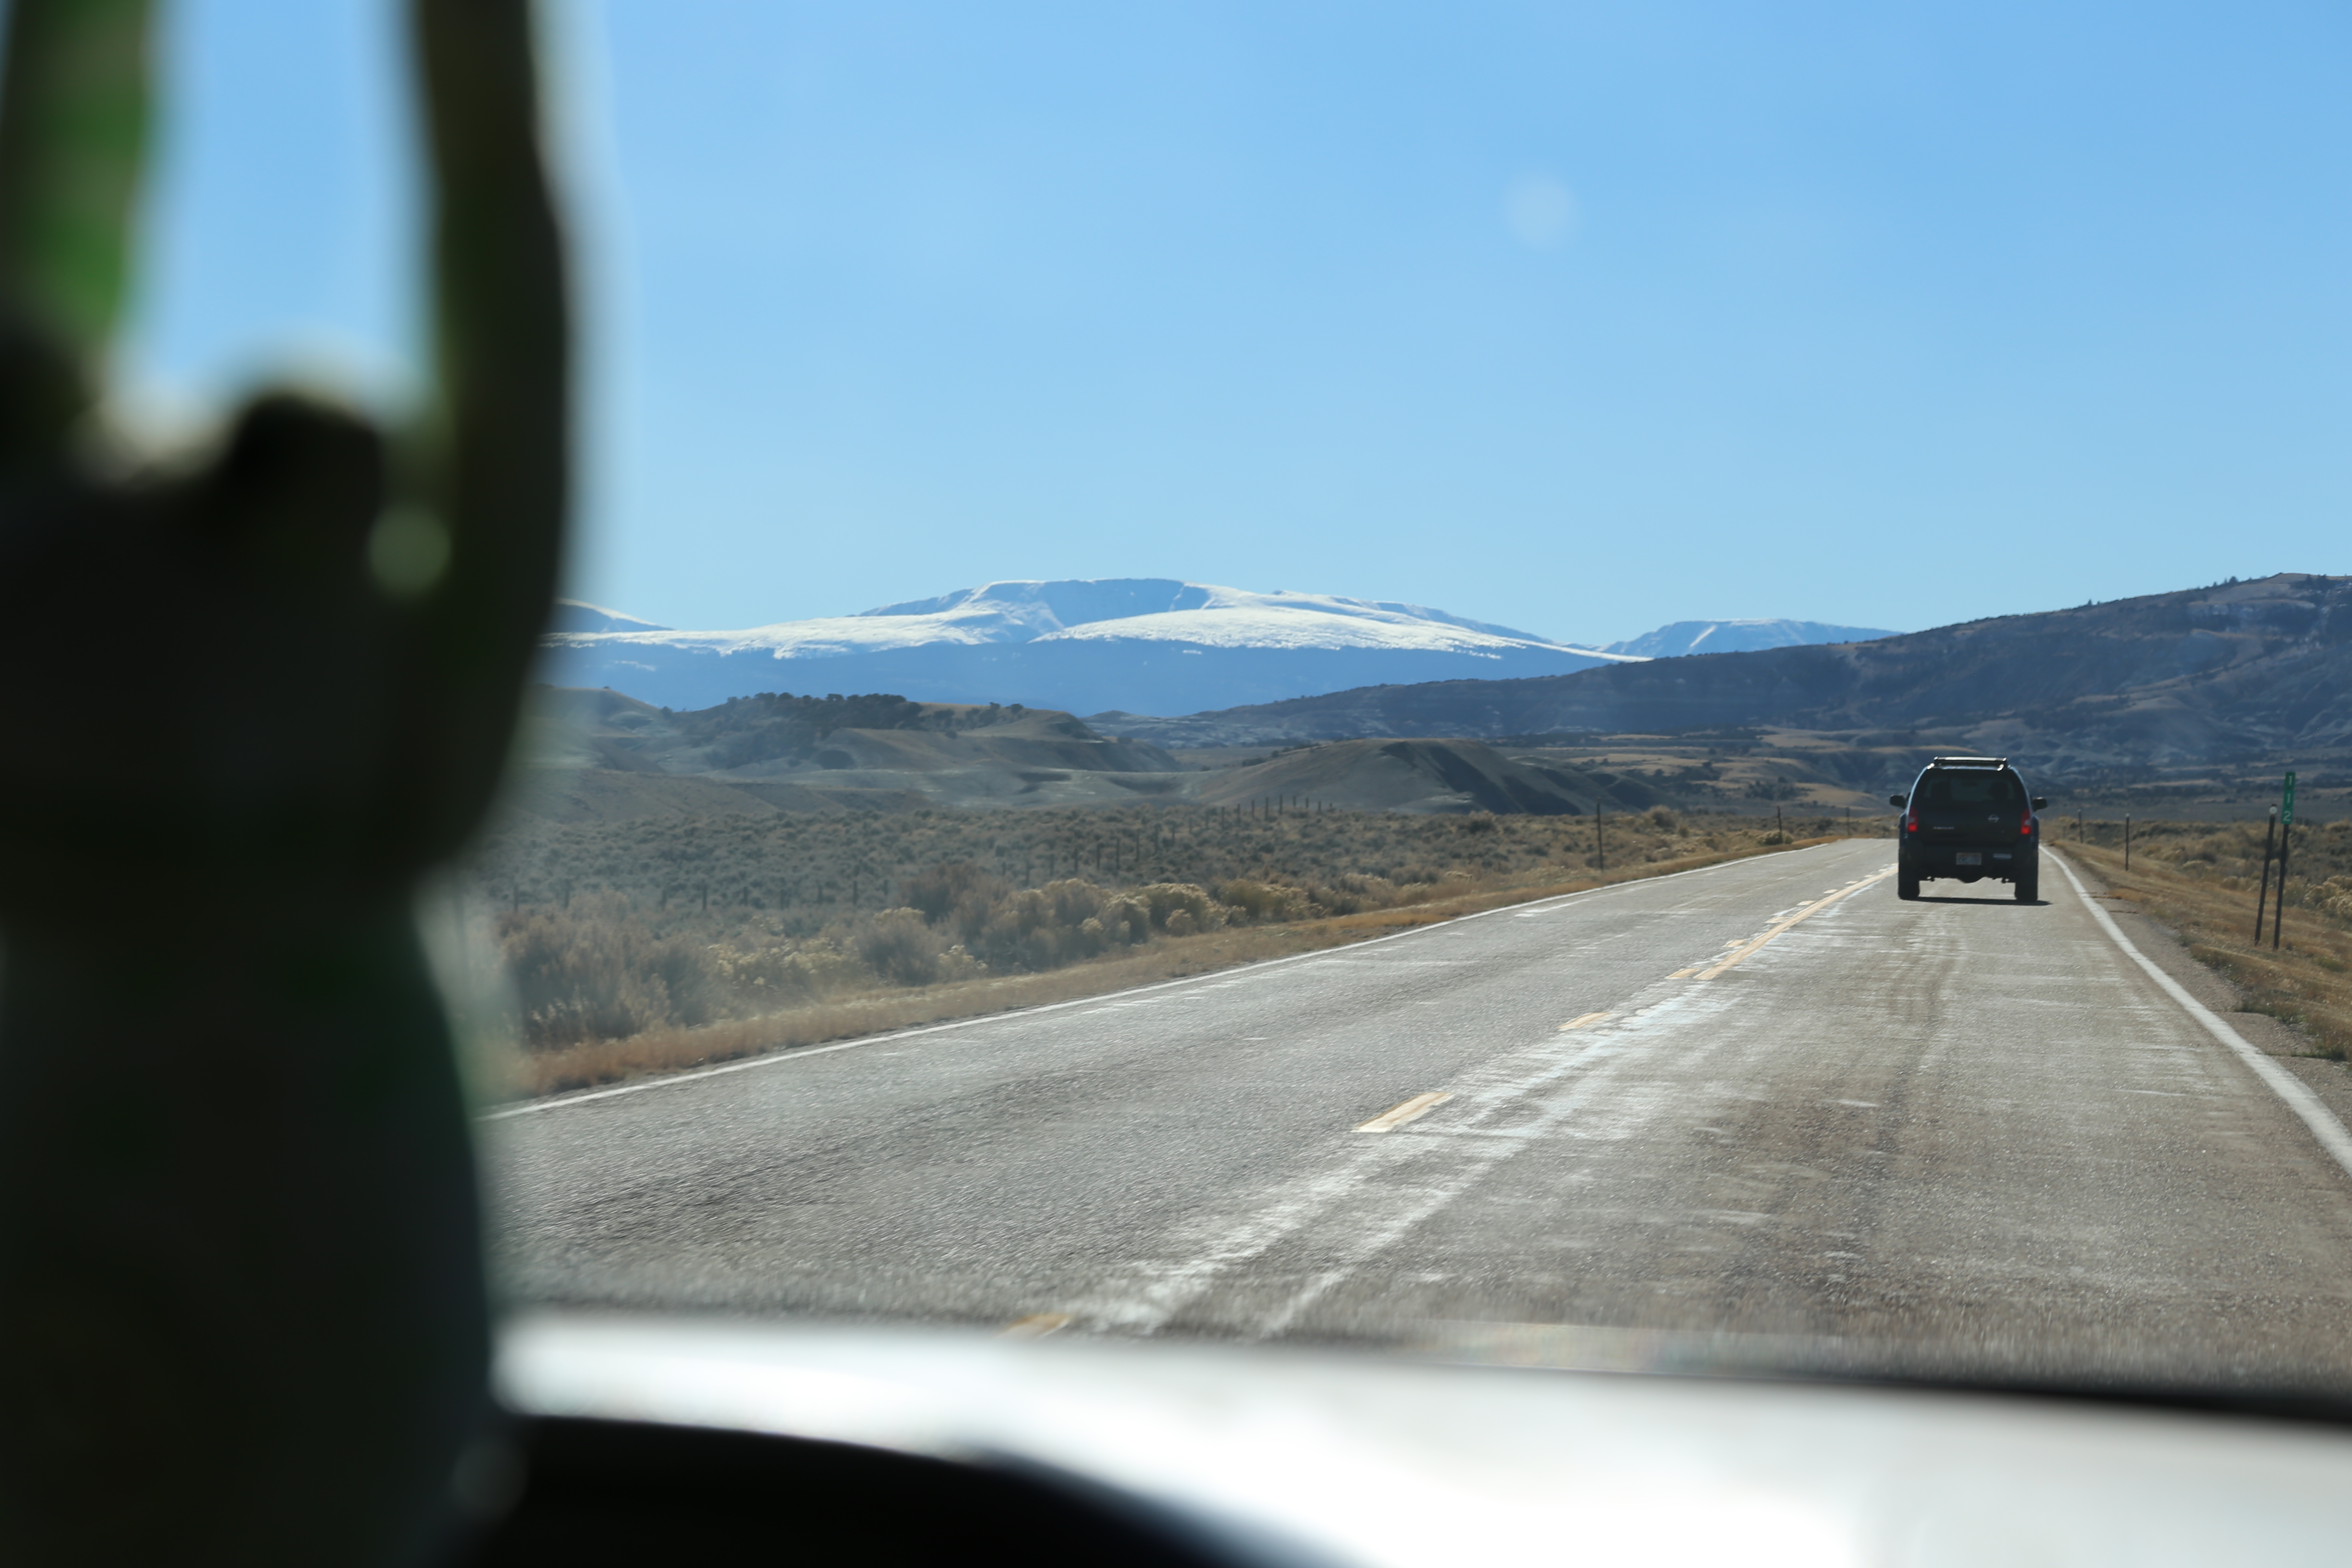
1739	636
1142	644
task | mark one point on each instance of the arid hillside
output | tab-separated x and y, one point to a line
2138	688
1423	776
600	756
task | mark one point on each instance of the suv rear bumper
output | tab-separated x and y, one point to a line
1946	860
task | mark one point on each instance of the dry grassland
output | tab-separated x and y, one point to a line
585	1063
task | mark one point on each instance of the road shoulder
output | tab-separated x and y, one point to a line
2329	1080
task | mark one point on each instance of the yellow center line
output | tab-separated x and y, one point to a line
1746	950
1397	1116
1036	1326
1580	1022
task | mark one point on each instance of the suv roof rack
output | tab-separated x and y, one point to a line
1970	763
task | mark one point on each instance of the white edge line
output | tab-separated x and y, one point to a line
775	1057
2315	1115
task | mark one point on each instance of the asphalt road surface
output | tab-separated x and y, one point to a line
1764	1112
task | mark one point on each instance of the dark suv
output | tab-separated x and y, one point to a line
1969	819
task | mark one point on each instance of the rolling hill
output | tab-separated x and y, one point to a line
1424	777
599	756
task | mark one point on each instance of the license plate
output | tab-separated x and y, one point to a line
1976	859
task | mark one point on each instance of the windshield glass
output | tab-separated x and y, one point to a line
1235	672
1981	788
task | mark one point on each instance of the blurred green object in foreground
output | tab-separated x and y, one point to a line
257	696
73	138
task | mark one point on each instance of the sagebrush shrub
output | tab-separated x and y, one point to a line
592	973
898	946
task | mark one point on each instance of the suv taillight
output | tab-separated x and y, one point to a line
1911	820
2025	821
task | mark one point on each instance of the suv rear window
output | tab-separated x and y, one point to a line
1970	788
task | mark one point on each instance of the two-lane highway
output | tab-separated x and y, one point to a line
1766	1099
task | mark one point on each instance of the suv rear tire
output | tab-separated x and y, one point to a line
2029	888
1906	884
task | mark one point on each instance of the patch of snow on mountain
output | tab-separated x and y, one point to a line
1249	626
1684	637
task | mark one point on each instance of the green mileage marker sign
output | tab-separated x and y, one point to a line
2286	812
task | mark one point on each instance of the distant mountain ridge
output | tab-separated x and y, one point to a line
2146	688
1151	645
1684	637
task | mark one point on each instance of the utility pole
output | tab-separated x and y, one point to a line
2126	841
1600	844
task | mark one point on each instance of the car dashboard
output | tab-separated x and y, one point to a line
682	1436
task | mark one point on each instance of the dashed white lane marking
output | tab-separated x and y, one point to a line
2285	1085
1412	1110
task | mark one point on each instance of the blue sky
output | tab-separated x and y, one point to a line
1580	319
